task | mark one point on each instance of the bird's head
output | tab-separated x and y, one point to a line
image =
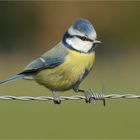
81	36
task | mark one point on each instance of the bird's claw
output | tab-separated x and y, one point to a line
88	96
57	100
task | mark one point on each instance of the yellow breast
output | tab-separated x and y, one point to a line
64	76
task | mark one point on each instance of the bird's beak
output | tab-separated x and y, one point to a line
97	42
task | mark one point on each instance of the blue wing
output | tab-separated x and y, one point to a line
50	59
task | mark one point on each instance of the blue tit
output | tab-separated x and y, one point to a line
64	66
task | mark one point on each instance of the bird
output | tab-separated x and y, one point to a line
64	66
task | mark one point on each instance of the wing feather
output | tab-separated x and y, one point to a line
50	59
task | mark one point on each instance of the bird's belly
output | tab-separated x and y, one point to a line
57	80
66	75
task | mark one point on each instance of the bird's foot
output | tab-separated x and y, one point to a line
91	95
56	98
88	96
87	93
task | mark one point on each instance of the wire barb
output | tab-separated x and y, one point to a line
98	96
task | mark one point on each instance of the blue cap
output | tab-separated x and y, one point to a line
83	25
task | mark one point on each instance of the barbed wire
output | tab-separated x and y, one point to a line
94	96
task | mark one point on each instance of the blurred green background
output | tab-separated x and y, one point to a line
27	29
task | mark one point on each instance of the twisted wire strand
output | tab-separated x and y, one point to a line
95	96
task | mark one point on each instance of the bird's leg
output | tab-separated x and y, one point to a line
56	98
87	94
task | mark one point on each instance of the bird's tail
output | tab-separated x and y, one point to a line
12	78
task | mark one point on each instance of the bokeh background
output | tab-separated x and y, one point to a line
27	29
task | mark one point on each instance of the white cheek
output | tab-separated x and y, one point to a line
80	45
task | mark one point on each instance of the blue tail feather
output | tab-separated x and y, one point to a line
12	78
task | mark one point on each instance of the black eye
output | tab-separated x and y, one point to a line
84	38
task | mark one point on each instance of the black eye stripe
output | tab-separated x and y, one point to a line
68	35
84	38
